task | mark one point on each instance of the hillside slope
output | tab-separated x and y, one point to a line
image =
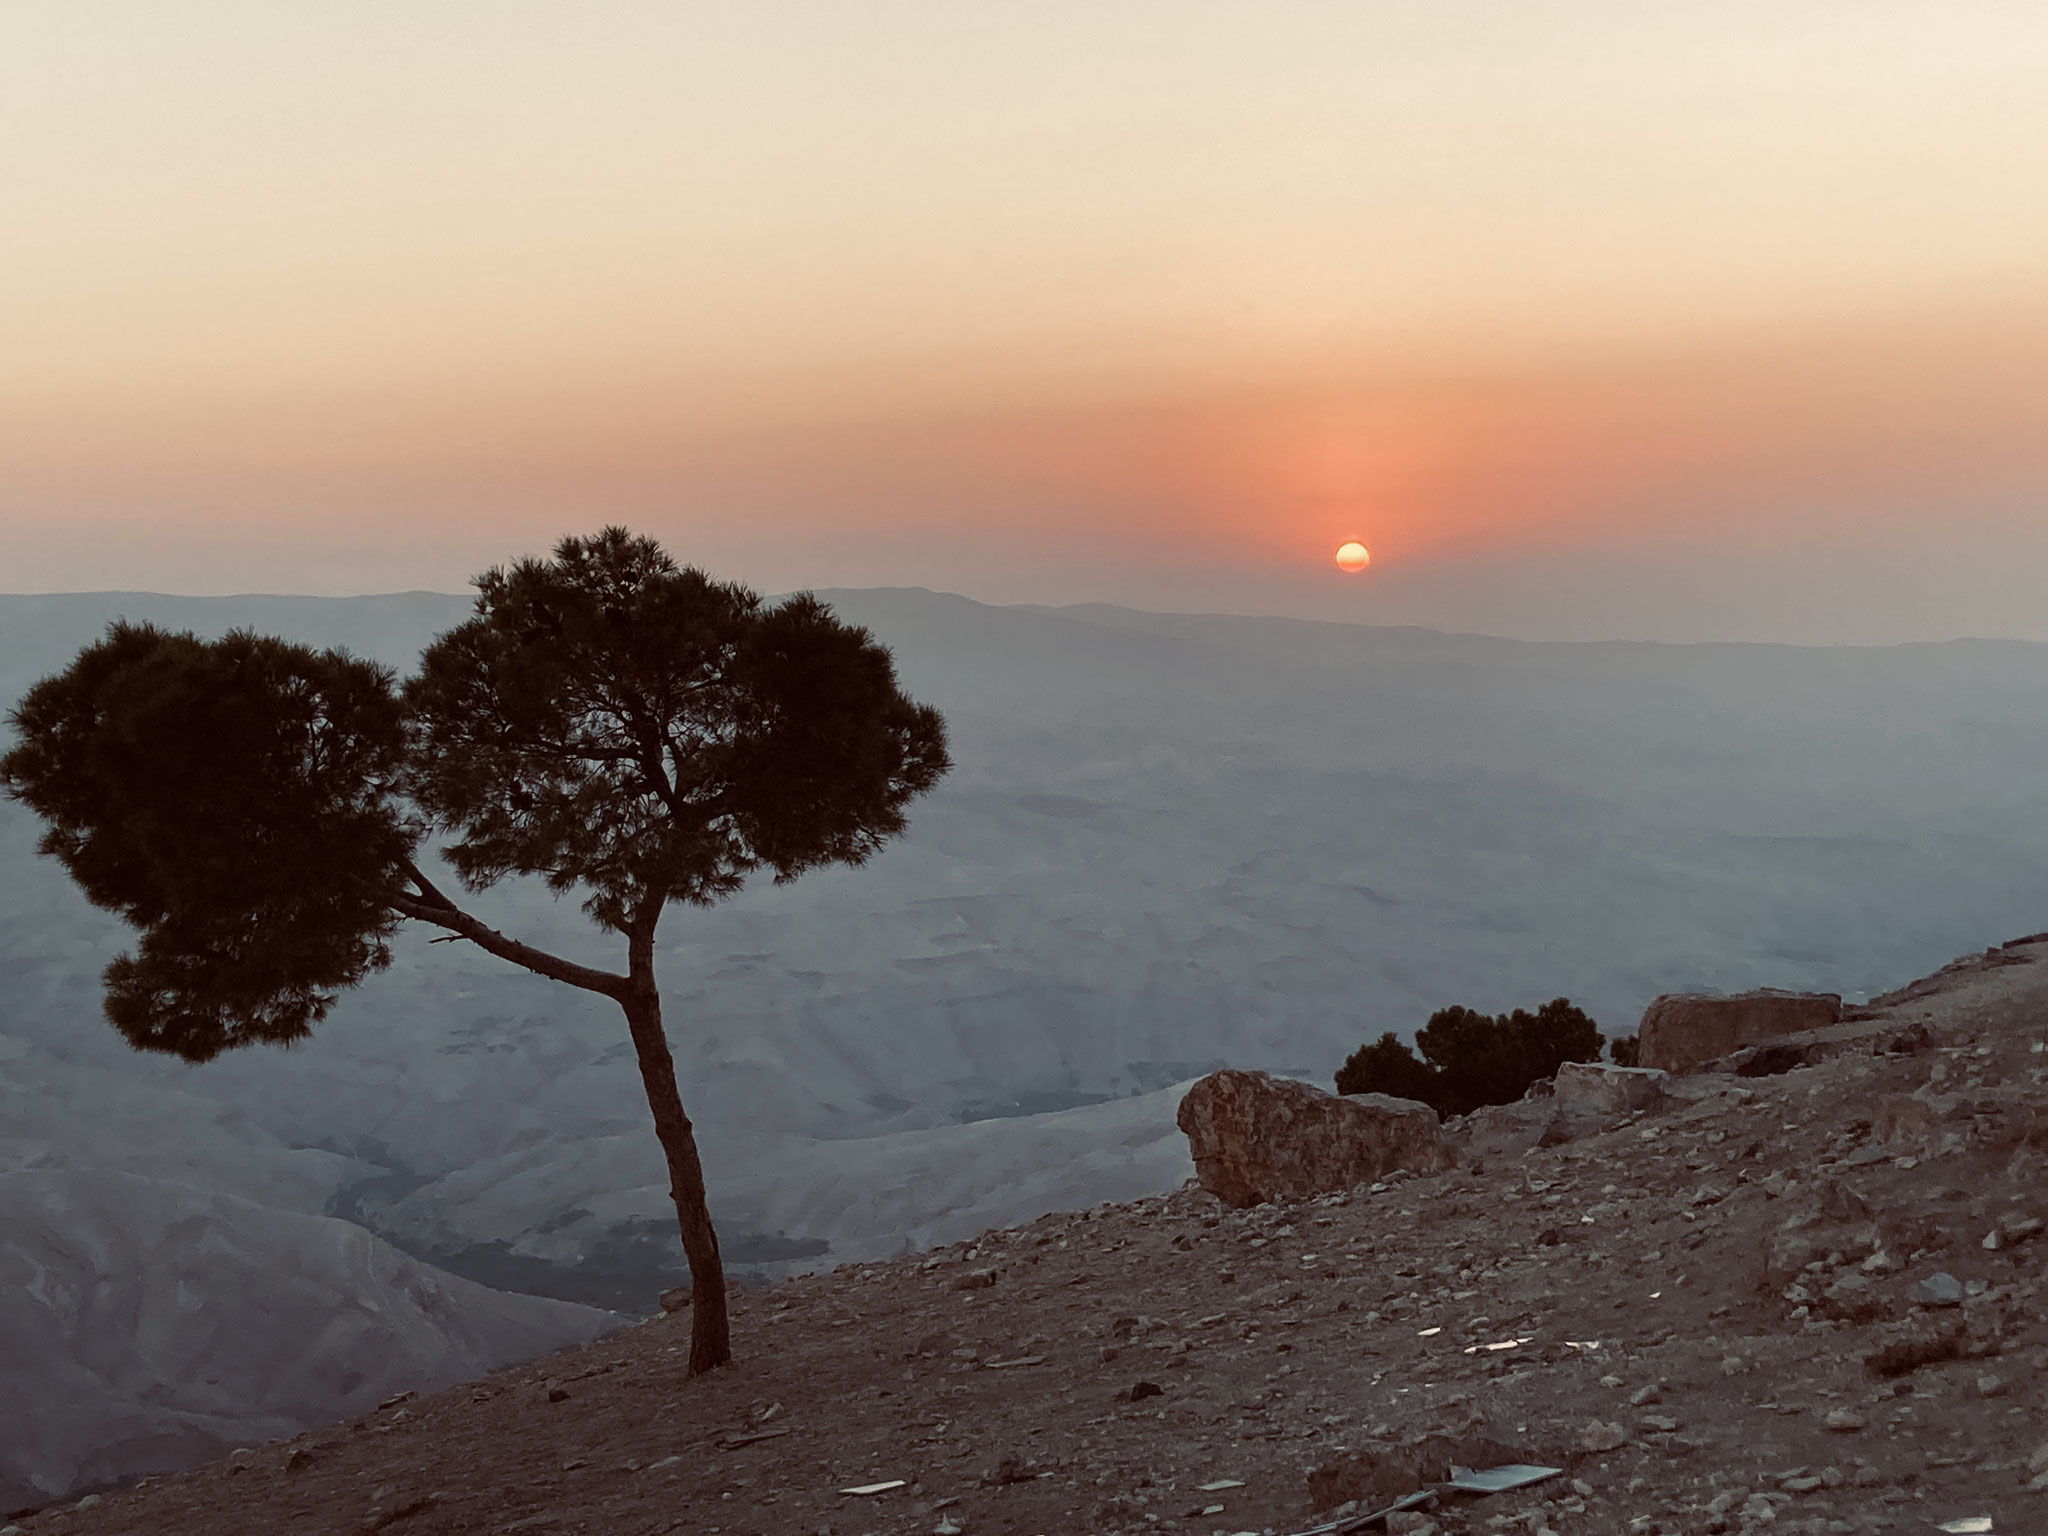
148	1325
1806	1301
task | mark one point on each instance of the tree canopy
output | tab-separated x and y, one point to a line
611	722
1471	1059
231	800
623	727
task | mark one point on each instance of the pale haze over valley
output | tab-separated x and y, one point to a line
1170	842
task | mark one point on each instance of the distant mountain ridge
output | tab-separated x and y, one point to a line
1172	840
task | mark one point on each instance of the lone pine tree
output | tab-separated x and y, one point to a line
620	726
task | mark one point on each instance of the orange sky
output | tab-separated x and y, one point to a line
1589	318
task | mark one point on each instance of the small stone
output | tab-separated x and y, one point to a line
975	1280
1610	1382
1992	1242
557	1393
1642	1397
1010	1469
1142	1390
2038	1462
675	1299
1597	1437
1758	1510
1733	1365
1939	1289
1800	1484
1657	1424
1990	1386
1845	1421
88	1502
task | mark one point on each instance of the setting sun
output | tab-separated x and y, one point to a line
1353	556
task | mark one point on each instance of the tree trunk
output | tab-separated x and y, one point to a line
710	1337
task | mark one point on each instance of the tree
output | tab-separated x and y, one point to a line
615	724
1472	1059
1625	1050
1386	1066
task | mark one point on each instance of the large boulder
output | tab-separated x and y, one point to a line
1257	1137
1682	1030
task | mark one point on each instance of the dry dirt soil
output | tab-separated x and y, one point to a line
1718	1307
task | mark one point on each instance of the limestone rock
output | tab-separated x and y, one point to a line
1255	1137
1940	1289
1681	1030
1509	1130
1903	1118
1596	1437
1595	1088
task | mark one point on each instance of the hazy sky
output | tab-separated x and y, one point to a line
1629	318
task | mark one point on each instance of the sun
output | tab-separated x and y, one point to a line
1353	556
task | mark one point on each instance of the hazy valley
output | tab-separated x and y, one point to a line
1171	842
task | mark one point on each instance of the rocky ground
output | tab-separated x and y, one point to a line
1807	1300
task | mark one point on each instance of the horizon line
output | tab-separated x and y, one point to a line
1209	615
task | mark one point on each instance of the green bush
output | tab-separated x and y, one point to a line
1624	1050
1472	1059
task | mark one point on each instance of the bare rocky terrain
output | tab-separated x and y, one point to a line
1804	1295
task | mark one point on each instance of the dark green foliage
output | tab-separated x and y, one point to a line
1472	1059
1386	1066
613	721
230	800
1623	1050
608	720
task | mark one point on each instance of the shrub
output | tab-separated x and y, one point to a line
1386	1066
1472	1059
1624	1050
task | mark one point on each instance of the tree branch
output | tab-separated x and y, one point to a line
431	906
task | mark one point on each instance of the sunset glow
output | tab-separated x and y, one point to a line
1677	320
1352	556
